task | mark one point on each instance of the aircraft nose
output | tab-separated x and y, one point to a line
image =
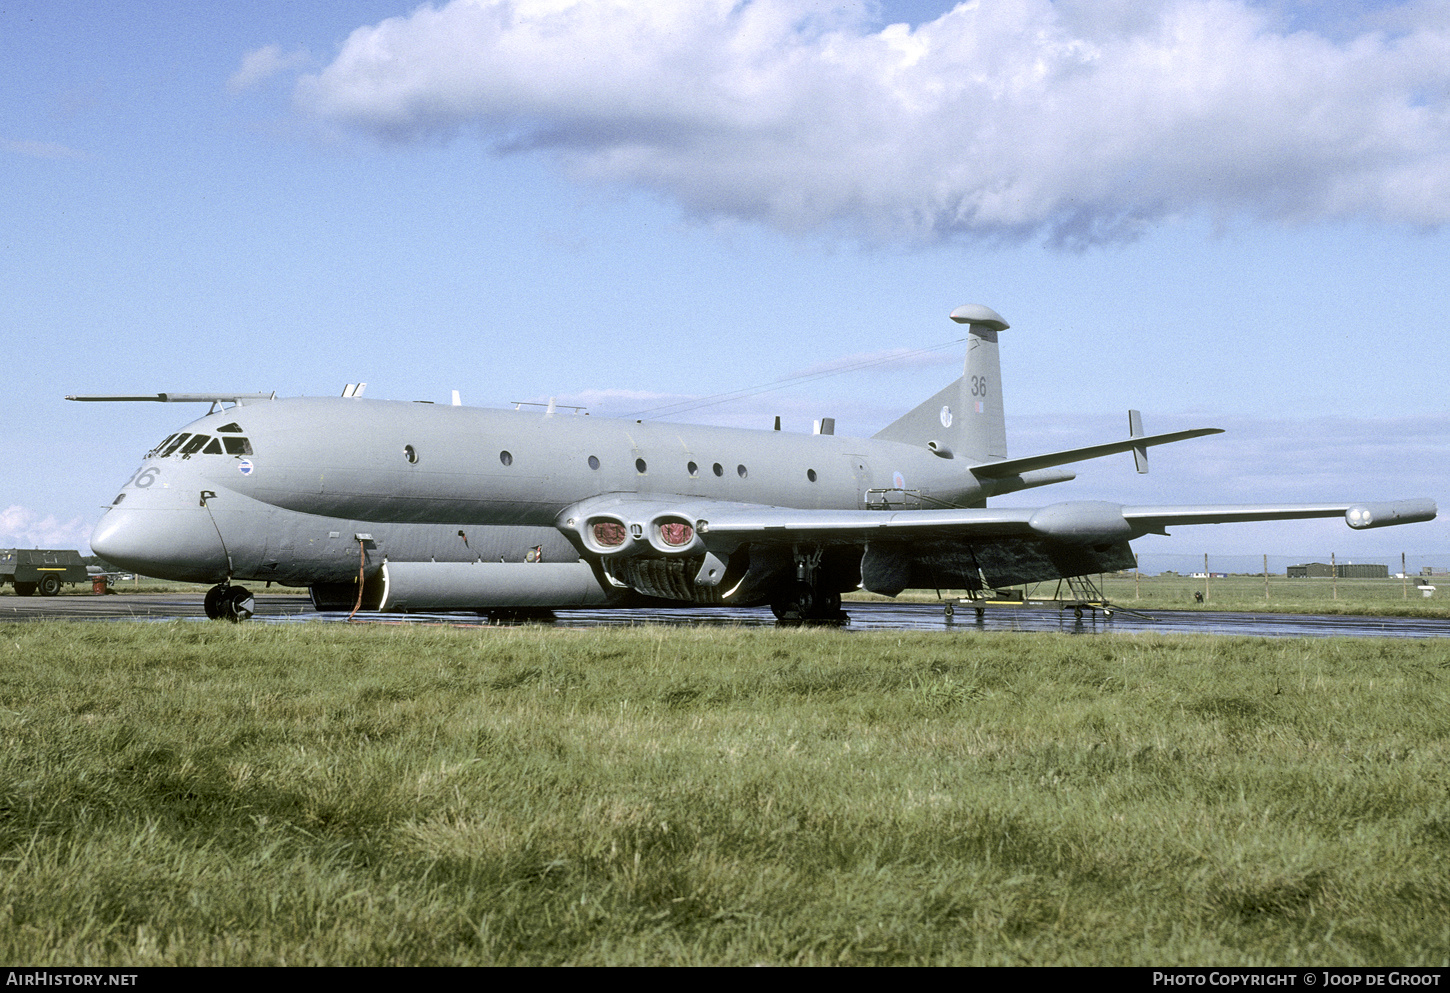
167	543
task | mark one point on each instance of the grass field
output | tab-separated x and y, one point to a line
183	793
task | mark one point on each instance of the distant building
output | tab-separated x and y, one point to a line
1350	570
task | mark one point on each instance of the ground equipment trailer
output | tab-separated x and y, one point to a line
41	570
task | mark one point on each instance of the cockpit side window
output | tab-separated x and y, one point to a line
160	446
175	443
232	428
215	448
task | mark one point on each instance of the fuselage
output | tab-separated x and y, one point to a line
311	491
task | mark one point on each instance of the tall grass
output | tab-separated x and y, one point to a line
206	794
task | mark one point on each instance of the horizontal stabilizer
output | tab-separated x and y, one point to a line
1011	467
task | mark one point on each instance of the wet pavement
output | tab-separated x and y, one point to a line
290	607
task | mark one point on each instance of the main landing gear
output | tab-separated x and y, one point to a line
229	603
800	601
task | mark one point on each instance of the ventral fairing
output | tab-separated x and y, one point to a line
395	506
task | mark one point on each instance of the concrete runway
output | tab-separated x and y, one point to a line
292	607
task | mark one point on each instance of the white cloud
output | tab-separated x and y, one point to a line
1256	461
21	527
43	150
1084	120
261	65
1314	460
893	358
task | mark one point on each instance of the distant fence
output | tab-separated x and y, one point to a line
1123	588
1153	563
1242	579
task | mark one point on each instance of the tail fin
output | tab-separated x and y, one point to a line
964	420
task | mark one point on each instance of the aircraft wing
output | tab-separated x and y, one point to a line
1358	516
969	548
1081	522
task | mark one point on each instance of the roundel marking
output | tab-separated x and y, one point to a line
245	467
946	417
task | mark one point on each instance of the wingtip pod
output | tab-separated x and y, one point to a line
1382	515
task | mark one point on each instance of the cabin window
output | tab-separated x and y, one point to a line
194	445
640	466
741	471
506	458
410	454
692	469
237	446
719	469
594	461
811	475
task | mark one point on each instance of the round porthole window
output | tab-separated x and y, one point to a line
639	466
594	462
410	453
811	475
692	469
506	458
741	471
719	469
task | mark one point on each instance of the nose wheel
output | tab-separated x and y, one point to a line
229	603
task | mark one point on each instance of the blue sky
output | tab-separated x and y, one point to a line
1222	213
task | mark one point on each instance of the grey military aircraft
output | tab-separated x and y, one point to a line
399	506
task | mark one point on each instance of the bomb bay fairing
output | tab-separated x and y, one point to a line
396	506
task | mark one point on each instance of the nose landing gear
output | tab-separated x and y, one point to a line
230	603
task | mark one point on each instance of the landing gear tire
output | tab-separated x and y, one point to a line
229	603
803	602
238	604
795	604
24	589
48	585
